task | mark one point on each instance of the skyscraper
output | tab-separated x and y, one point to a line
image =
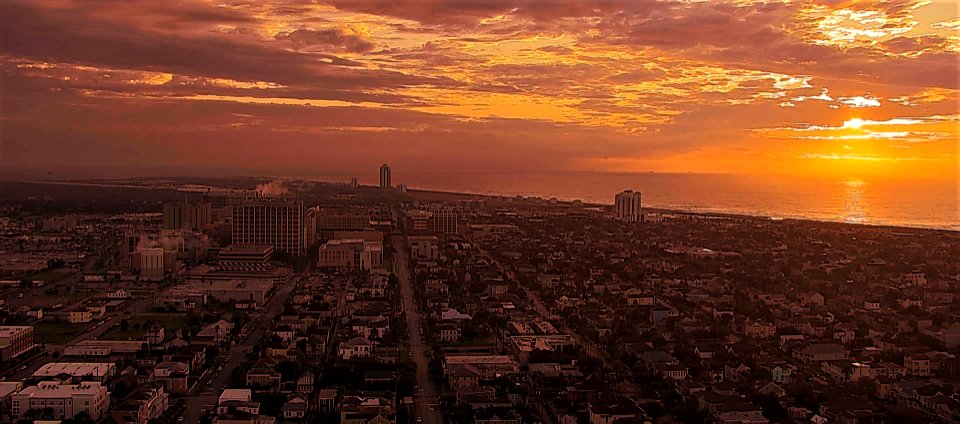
628	206
277	221
385	177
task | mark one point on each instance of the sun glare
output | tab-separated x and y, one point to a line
855	123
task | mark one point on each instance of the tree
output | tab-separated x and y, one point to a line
289	371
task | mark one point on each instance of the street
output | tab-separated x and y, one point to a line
261	322
427	393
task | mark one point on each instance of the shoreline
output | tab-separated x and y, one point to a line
702	213
182	181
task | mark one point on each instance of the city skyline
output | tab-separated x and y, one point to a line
843	89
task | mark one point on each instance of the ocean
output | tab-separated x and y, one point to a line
927	204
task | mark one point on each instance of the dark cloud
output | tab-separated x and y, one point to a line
333	38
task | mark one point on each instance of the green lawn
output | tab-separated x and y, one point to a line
56	332
135	328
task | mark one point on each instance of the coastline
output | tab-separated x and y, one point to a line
175	184
702	213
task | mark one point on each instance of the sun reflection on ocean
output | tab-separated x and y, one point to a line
854	207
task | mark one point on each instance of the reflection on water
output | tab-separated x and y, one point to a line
853	203
922	203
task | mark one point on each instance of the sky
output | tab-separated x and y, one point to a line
819	88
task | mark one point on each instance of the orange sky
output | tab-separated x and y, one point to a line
828	88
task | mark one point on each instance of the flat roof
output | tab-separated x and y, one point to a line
53	389
479	359
76	369
247	249
10	330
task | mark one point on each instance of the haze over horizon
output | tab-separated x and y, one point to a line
828	89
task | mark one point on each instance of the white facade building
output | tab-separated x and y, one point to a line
628	206
64	400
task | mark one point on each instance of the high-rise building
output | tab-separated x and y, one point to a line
310	225
385	177
628	206
187	216
225	198
445	220
277	221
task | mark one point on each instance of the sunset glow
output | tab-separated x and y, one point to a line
846	88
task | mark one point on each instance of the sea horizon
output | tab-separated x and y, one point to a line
918	203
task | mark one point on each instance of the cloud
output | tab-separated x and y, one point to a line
859	101
337	39
557	83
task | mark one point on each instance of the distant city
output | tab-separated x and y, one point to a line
480	212
259	301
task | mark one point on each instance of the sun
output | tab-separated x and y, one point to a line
855	123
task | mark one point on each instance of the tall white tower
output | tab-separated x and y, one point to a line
628	206
385	177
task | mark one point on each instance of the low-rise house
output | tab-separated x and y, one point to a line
609	412
263	376
174	376
240	400
759	329
357	347
819	352
295	408
143	406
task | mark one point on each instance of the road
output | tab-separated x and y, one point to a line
427	393
238	353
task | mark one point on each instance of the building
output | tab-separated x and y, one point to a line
487	366
187	216
55	401
79	371
341	219
89	348
357	347
223	199
523	346
253	292
419	221
151	263
424	247
350	255
252	253
311	220
143	406
238	399
277	221
821	352
7	390
445	220
385	182
174	376
628	206
15	340
80	316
